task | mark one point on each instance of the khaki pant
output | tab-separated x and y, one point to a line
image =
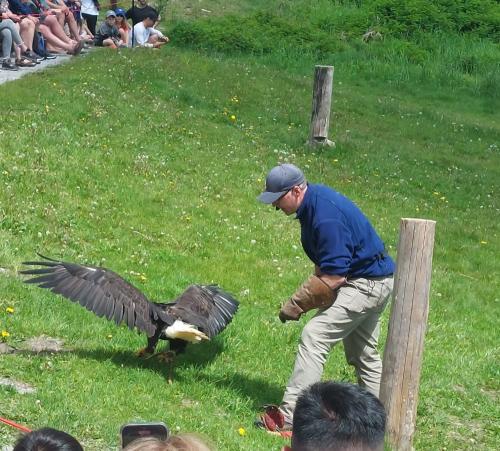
353	318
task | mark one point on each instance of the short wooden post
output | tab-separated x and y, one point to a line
321	104
407	326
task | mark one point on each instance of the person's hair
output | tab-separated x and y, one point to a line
180	442
47	439
152	16
123	24
338	416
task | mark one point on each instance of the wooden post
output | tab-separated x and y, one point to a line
321	104
407	326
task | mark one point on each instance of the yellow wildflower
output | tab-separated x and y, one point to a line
242	432
9	310
5	334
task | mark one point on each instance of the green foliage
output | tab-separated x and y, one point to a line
413	17
260	33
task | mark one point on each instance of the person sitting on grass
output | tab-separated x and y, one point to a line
108	34
122	25
46	439
24	25
54	35
332	416
65	17
8	36
145	35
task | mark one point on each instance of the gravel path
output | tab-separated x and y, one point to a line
8	75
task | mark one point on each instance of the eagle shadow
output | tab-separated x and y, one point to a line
198	355
259	390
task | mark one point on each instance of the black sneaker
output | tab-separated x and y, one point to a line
45	55
32	56
9	65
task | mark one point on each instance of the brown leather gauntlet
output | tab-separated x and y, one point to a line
313	293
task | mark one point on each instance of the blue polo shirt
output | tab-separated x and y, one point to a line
338	237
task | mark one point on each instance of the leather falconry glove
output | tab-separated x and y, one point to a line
313	293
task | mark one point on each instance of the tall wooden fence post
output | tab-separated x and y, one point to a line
407	326
321	104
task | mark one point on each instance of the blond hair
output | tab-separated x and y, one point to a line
180	442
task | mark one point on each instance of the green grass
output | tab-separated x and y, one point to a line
134	163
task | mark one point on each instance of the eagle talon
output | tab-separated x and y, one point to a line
144	353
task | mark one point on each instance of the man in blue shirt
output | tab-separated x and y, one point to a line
350	287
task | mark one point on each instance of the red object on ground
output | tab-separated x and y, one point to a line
15	425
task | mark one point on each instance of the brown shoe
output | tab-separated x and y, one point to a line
24	62
78	48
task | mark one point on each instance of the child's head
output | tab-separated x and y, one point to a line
111	17
120	14
150	19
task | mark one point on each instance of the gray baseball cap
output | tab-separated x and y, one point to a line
279	180
110	13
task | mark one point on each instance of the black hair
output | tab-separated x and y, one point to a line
334	416
152	15
47	439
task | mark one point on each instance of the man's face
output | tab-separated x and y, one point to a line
111	20
143	2
289	202
148	23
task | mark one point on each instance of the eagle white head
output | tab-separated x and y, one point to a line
184	331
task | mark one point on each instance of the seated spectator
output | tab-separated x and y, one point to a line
19	14
139	12
51	29
180	442
122	25
144	35
108	35
332	416
46	439
64	16
9	35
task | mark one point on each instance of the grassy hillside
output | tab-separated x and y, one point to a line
135	163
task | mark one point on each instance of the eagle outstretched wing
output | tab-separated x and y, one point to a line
105	293
206	306
97	289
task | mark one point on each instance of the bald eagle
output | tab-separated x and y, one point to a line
199	313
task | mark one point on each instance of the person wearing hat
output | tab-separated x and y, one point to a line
108	34
350	286
122	25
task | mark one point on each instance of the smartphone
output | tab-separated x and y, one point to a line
132	431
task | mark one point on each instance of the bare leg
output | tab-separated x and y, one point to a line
57	30
54	42
73	26
27	31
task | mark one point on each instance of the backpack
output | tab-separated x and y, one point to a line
39	44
